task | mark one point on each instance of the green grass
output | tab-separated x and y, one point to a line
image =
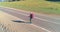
40	6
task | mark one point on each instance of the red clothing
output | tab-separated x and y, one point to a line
31	15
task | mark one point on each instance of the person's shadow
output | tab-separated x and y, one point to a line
20	21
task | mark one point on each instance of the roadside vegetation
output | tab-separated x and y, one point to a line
40	6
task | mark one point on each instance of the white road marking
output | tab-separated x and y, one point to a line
34	17
15	9
37	18
41	28
33	24
46	20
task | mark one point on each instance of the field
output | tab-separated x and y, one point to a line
39	6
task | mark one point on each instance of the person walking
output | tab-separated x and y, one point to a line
31	17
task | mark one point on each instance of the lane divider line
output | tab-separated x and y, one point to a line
28	15
41	28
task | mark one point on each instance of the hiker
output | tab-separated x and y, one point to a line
31	16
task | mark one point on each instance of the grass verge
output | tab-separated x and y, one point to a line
40	6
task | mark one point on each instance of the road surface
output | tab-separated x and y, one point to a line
43	21
8	25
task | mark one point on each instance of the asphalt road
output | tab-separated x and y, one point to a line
43	21
8	24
